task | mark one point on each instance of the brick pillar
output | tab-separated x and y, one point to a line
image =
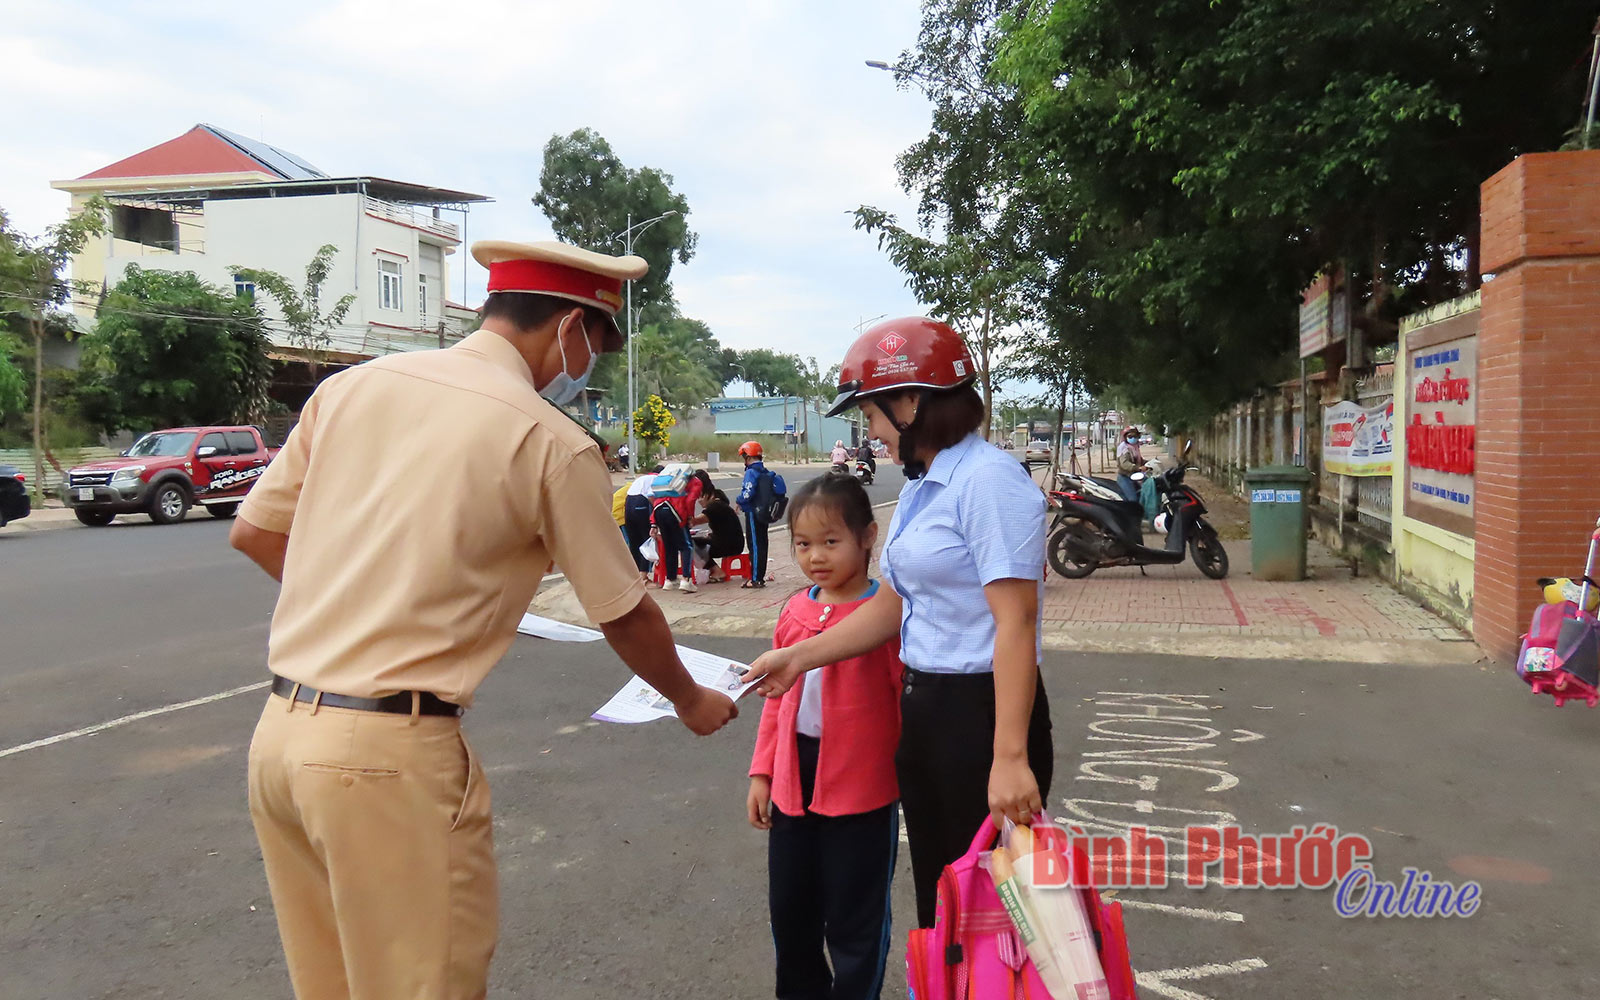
1538	426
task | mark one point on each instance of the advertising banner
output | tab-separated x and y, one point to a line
1358	440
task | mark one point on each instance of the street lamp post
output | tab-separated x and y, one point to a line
923	80
627	236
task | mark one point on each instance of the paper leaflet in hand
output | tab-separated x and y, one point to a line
549	628
639	702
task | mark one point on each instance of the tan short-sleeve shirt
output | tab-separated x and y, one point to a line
424	496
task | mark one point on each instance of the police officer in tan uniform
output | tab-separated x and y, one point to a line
400	594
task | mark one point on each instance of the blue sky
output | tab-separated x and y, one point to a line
764	113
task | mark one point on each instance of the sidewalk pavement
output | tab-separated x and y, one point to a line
44	519
1333	616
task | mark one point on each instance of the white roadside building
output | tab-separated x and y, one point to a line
211	202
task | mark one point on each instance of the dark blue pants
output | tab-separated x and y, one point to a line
755	530
1129	488
828	881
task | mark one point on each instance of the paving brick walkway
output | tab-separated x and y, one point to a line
1178	599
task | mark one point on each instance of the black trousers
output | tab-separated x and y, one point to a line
943	761
755	532
636	522
828	883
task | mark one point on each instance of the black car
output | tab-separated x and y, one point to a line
14	502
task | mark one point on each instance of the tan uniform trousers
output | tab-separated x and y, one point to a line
375	831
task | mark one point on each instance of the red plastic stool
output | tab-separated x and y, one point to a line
738	565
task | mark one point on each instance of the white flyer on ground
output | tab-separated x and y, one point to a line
639	702
549	628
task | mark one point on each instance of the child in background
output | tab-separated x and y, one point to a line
822	780
671	517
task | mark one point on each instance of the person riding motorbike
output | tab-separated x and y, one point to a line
839	456
1129	461
864	454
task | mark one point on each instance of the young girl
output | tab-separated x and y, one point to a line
822	779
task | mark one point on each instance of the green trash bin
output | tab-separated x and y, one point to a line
1278	521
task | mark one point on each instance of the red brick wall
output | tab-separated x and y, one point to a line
1538	437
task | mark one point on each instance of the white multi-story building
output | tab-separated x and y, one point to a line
213	202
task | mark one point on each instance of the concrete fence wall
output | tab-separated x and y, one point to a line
1352	514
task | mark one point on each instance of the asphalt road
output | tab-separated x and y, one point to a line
626	866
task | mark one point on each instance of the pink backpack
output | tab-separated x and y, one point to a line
1560	654
972	951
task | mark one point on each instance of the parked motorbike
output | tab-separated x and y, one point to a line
1093	526
863	472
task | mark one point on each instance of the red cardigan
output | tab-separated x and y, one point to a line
860	722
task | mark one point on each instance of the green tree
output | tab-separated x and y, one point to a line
966	257
169	350
677	360
589	195
13	384
33	289
1195	166
674	355
976	281
1178	173
307	326
771	373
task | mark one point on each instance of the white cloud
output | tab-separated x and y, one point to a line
764	113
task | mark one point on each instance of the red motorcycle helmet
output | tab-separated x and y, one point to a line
912	352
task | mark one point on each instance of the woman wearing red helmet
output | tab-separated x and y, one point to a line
964	559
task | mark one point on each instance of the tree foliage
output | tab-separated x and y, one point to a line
13	384
967	258
675	356
975	280
170	350
1188	168
589	194
772	373
34	288
677	360
306	325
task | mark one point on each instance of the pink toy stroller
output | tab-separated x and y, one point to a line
1560	653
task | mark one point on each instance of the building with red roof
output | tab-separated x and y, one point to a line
212	201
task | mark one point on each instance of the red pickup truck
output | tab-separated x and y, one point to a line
167	472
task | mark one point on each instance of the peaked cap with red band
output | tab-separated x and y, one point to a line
563	271
912	352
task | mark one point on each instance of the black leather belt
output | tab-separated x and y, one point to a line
394	704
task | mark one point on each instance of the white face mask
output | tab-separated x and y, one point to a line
563	388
